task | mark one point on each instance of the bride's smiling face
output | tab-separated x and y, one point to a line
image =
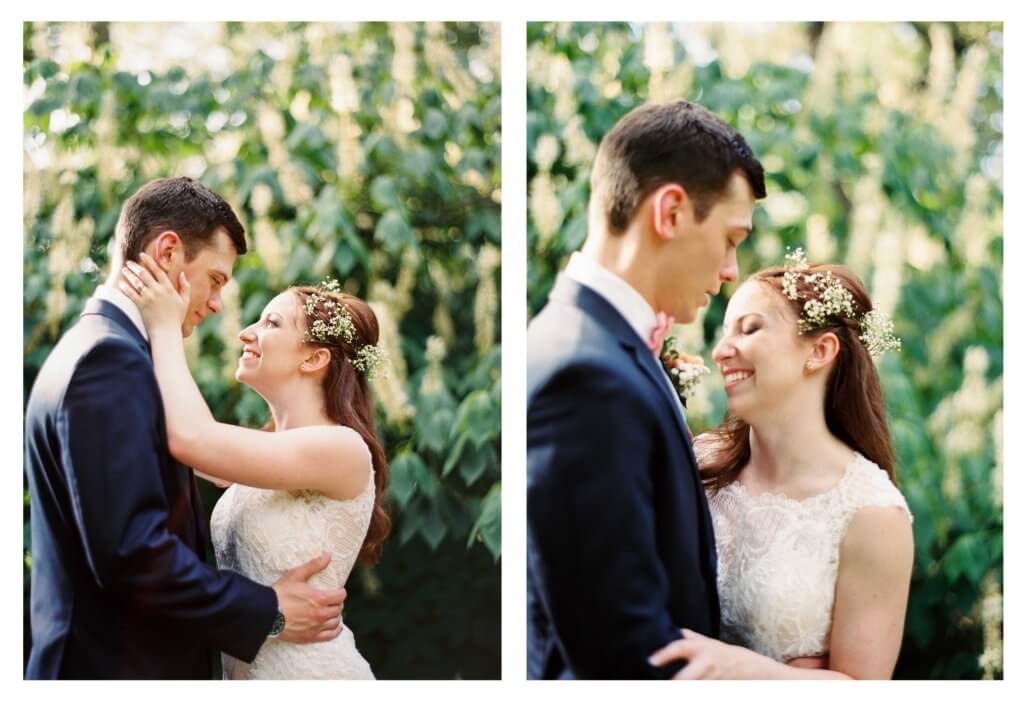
273	347
761	355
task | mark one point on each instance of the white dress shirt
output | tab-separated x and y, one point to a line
623	298
119	299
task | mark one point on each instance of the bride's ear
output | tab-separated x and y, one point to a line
823	352
317	360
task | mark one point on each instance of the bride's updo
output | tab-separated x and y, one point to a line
854	407
347	397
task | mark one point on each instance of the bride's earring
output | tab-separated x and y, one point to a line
807	365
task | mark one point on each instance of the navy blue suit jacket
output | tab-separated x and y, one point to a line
620	548
119	584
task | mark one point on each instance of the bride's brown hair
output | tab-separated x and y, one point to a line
348	400
854	407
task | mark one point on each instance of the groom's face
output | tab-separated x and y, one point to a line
702	255
207	273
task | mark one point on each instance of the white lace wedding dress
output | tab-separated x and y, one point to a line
262	534
778	559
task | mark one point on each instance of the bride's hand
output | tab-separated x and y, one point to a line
163	307
706	658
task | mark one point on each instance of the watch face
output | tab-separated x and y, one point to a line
278	626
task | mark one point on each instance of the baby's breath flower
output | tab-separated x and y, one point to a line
877	333
368	359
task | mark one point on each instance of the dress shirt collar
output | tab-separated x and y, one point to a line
616	291
109	293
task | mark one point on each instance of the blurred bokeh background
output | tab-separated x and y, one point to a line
883	150
367	152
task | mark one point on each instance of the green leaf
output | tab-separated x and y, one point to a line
474	463
432	528
406	470
384	193
433	420
485	222
393	233
968	557
421	163
487	528
455	454
44	68
410	521
345	259
434	123
477	416
299	263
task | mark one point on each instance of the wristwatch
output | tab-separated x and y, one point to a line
278	627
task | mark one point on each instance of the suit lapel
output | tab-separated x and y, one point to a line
652	368
571	292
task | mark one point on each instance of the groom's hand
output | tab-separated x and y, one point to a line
311	615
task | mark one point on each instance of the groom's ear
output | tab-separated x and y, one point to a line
168	248
668	203
316	360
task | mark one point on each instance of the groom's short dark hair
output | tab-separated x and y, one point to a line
679	142
182	205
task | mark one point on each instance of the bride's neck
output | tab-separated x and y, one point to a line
299	406
788	450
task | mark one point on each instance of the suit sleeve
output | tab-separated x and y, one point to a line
591	525
110	434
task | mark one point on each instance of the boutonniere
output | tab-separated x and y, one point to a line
684	370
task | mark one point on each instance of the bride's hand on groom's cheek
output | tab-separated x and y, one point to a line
159	301
705	658
311	615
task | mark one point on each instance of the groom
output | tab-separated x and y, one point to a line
620	550
120	587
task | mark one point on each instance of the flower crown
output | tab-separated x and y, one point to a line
368	356
835	301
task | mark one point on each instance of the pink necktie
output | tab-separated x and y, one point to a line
661	328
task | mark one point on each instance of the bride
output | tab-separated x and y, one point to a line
314	483
814	539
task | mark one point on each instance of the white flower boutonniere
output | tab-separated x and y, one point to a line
684	370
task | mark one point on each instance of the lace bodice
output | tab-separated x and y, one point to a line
262	534
778	559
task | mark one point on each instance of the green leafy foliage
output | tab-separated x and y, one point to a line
369	153
882	145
